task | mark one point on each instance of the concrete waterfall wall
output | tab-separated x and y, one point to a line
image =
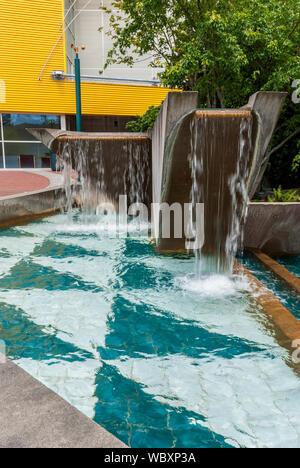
174	107
273	228
124	164
109	164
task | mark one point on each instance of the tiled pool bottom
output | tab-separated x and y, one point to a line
132	340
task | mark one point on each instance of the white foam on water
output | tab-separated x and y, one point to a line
214	286
105	228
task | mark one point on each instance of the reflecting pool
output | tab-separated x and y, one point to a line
136	341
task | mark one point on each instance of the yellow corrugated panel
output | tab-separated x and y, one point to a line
28	31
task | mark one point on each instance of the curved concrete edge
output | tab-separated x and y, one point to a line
175	106
273	228
33	192
51	138
18	209
32	416
268	105
47	136
280	271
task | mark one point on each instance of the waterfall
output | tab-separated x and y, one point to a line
220	163
208	159
108	167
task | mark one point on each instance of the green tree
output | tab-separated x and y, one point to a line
284	152
144	122
225	49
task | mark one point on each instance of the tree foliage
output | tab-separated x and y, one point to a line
144	122
284	167
224	49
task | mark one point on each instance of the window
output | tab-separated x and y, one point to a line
20	149
14	125
1	157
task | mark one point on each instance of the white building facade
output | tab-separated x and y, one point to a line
86	19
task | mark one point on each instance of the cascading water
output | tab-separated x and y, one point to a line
216	174
239	193
108	168
220	162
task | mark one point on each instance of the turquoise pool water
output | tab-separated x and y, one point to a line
291	263
135	341
289	298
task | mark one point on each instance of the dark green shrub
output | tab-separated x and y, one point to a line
144	122
284	196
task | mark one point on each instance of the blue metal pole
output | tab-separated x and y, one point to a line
78	94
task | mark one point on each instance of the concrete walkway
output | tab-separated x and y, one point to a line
32	416
29	194
21	182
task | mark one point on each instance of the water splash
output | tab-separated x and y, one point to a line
214	286
220	162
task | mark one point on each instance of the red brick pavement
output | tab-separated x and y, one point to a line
16	182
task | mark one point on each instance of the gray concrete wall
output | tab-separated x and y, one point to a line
17	207
267	105
273	228
174	107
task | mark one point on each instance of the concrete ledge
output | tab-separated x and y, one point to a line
23	220
24	208
51	137
175	106
283	273
32	416
273	228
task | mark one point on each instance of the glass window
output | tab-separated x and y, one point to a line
34	155
15	125
1	156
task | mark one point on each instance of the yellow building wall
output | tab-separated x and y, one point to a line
29	30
